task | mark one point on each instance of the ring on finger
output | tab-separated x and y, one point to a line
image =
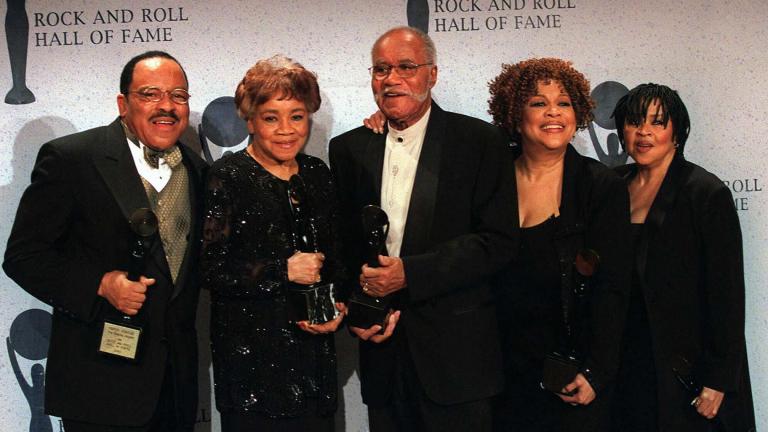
696	402
365	287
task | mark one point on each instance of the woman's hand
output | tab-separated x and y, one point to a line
372	334
708	402
584	393
326	327
376	122
304	268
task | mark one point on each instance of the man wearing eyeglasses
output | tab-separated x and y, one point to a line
439	176
123	353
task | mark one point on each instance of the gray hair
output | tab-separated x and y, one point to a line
429	45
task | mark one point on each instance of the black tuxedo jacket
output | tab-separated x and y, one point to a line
71	228
692	275
458	232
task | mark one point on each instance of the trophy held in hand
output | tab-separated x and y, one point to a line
121	337
366	311
313	303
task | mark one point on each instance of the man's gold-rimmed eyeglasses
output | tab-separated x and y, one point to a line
153	94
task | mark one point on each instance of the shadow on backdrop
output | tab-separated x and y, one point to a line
27	143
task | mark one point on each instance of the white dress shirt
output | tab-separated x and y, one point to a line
401	158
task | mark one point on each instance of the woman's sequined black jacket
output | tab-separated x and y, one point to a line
262	362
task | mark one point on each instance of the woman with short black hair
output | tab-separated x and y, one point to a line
684	363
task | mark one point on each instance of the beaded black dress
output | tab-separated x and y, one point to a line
262	363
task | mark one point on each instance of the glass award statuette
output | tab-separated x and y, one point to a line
120	337
562	366
314	303
365	311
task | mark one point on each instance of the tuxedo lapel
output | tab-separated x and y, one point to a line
574	194
114	162
373	163
421	209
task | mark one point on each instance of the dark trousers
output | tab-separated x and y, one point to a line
412	411
164	419
235	422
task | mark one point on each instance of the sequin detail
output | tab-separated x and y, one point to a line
261	362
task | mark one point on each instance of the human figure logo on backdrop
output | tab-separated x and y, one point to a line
29	337
17	37
606	95
418	14
222	127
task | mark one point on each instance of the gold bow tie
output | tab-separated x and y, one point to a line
172	156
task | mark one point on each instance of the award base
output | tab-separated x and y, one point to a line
315	304
559	371
365	311
120	339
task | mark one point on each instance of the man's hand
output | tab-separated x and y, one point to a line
125	295
326	327
584	393
380	281
372	334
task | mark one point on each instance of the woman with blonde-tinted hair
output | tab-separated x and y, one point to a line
271	373
561	303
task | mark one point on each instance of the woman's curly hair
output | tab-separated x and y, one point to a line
516	84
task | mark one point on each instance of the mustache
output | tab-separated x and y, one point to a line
163	113
403	92
394	89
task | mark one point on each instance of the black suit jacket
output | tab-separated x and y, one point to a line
692	275
457	233
71	228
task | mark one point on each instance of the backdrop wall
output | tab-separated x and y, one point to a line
67	56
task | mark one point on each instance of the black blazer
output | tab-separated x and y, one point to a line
692	274
458	232
72	227
594	214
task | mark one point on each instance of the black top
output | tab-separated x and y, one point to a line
262	362
594	215
635	402
533	307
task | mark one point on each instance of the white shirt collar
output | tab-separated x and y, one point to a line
157	177
412	133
